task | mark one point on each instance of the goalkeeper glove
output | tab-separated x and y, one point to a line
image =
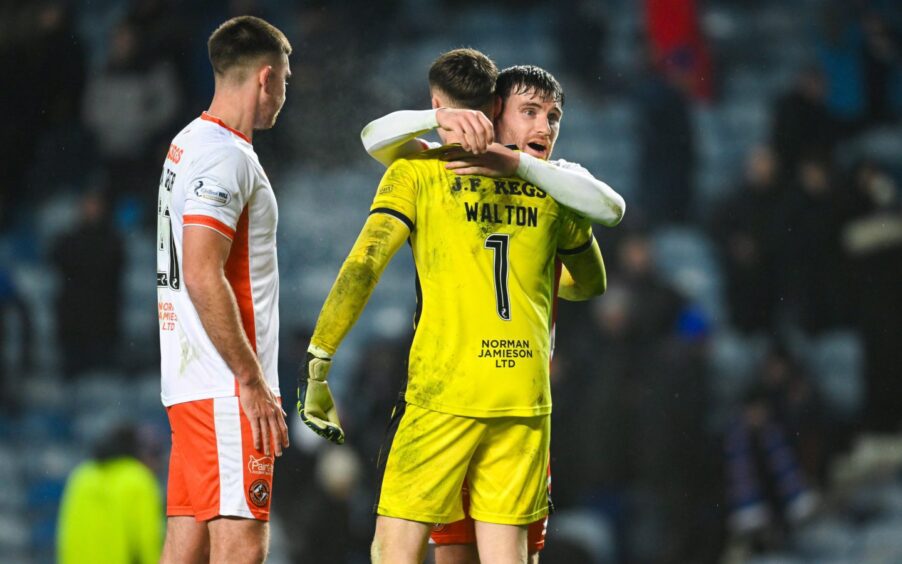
315	404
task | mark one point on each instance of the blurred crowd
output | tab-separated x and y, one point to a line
808	242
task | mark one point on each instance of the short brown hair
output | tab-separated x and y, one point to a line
466	75
522	79
241	39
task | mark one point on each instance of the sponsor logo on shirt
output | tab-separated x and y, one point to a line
211	193
175	153
260	465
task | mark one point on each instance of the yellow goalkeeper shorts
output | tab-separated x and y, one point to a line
503	459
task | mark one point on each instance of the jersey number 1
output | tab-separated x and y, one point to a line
499	243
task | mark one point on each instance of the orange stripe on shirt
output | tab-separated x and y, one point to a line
210	222
238	273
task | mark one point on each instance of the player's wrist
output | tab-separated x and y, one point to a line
319	352
524	164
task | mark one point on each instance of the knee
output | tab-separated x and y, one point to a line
249	553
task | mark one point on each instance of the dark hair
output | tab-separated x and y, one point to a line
243	38
120	440
521	79
466	76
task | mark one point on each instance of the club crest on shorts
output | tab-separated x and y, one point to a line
259	493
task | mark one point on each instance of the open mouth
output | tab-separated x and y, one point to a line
538	147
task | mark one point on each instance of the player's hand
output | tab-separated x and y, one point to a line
471	128
315	404
266	416
498	162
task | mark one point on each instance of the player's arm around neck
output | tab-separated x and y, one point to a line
394	136
381	237
583	275
576	189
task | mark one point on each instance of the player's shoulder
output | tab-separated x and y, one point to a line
211	146
422	161
433	152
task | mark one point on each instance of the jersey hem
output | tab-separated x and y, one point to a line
430	518
470	412
169	401
506	519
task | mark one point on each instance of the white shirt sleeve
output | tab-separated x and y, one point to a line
395	135
573	186
218	190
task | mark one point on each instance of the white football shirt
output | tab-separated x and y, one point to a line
212	178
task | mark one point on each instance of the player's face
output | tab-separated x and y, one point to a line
529	121
273	96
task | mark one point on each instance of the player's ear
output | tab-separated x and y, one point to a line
496	110
436	103
264	75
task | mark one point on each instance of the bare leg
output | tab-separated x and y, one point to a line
186	541
501	544
399	541
456	554
239	541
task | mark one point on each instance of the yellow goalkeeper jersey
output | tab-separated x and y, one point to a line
484	250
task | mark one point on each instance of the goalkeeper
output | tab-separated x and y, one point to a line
477	399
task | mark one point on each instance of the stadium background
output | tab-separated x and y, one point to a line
753	286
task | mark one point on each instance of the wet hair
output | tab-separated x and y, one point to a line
466	76
242	39
521	79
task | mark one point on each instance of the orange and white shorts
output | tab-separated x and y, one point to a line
214	468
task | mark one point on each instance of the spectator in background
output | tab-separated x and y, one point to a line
674	32
112	509
90	261
11	301
872	241
795	404
811	262
164	38
666	139
840	51
37	40
802	124
130	106
744	228
767	487
377	382
629	380
581	35
882	68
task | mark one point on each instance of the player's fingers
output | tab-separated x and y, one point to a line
264	435
283	430
484	131
472	170
454	165
455	154
255	431
275	431
476	136
466	140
